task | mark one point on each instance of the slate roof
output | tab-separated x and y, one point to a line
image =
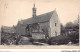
40	18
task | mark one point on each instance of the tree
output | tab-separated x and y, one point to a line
62	27
76	23
74	37
62	30
69	25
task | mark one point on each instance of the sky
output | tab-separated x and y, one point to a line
12	11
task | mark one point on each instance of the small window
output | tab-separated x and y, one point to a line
55	24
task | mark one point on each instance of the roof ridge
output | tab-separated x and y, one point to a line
26	19
47	12
39	18
39	15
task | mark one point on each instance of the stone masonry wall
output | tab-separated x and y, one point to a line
54	25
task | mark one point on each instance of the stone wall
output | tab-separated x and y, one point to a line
54	25
38	36
44	26
21	28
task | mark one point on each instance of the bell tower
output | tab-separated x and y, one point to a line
34	11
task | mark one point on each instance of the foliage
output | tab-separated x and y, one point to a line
62	30
59	40
69	25
74	31
74	37
8	38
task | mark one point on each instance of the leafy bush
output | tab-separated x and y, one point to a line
74	37
59	40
